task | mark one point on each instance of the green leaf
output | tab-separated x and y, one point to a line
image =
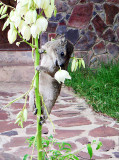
25	114
83	63
6	24
18	120
76	158
26	156
90	151
94	141
79	63
3	16
76	65
55	12
73	64
4	10
1	9
1	3
19	114
99	145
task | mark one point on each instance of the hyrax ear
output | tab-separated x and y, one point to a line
69	48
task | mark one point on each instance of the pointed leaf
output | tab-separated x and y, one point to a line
3	16
6	24
26	156
25	114
99	145
4	10
1	9
76	65
83	63
79	63
73	64
90	151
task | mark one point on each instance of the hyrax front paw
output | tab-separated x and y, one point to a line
42	120
38	68
41	51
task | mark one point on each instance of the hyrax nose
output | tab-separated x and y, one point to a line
62	65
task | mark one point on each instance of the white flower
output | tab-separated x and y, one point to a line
61	75
12	36
22	23
45	4
42	24
26	32
16	18
30	16
21	9
34	30
38	2
49	11
18	43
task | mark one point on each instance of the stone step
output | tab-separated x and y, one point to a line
16	66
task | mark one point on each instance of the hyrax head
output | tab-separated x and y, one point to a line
60	51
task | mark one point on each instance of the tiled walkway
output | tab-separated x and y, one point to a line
74	121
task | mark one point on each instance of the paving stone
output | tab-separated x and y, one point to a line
72	2
107	144
99	121
61	29
62	134
99	25
58	106
116	154
10	133
64	94
33	130
51	27
21	151
81	16
57	18
80	54
113	49
105	58
109	35
70	122
6	94
62	113
18	106
86	156
110	10
3	115
51	36
99	7
69	99
16	142
7	156
99	48
43	38
83	140
61	6
104	131
96	1
86	41
113	1
72	35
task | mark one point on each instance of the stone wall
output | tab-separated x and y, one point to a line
91	25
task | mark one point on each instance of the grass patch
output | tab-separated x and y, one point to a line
100	87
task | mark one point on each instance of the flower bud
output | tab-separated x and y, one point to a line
34	30
30	16
26	32
49	11
12	36
42	24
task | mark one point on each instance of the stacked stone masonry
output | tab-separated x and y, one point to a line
91	25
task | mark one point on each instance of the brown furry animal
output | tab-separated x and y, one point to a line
57	55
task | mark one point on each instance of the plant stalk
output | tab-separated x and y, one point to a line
38	106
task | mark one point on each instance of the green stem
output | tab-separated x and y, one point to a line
38	106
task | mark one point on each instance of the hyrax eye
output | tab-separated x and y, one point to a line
62	54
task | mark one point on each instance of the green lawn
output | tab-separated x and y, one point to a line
100	87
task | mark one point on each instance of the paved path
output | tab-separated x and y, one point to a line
74	121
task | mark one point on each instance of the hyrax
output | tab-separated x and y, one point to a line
58	53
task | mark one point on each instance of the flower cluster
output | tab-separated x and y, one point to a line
25	19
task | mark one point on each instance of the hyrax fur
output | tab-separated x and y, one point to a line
57	55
